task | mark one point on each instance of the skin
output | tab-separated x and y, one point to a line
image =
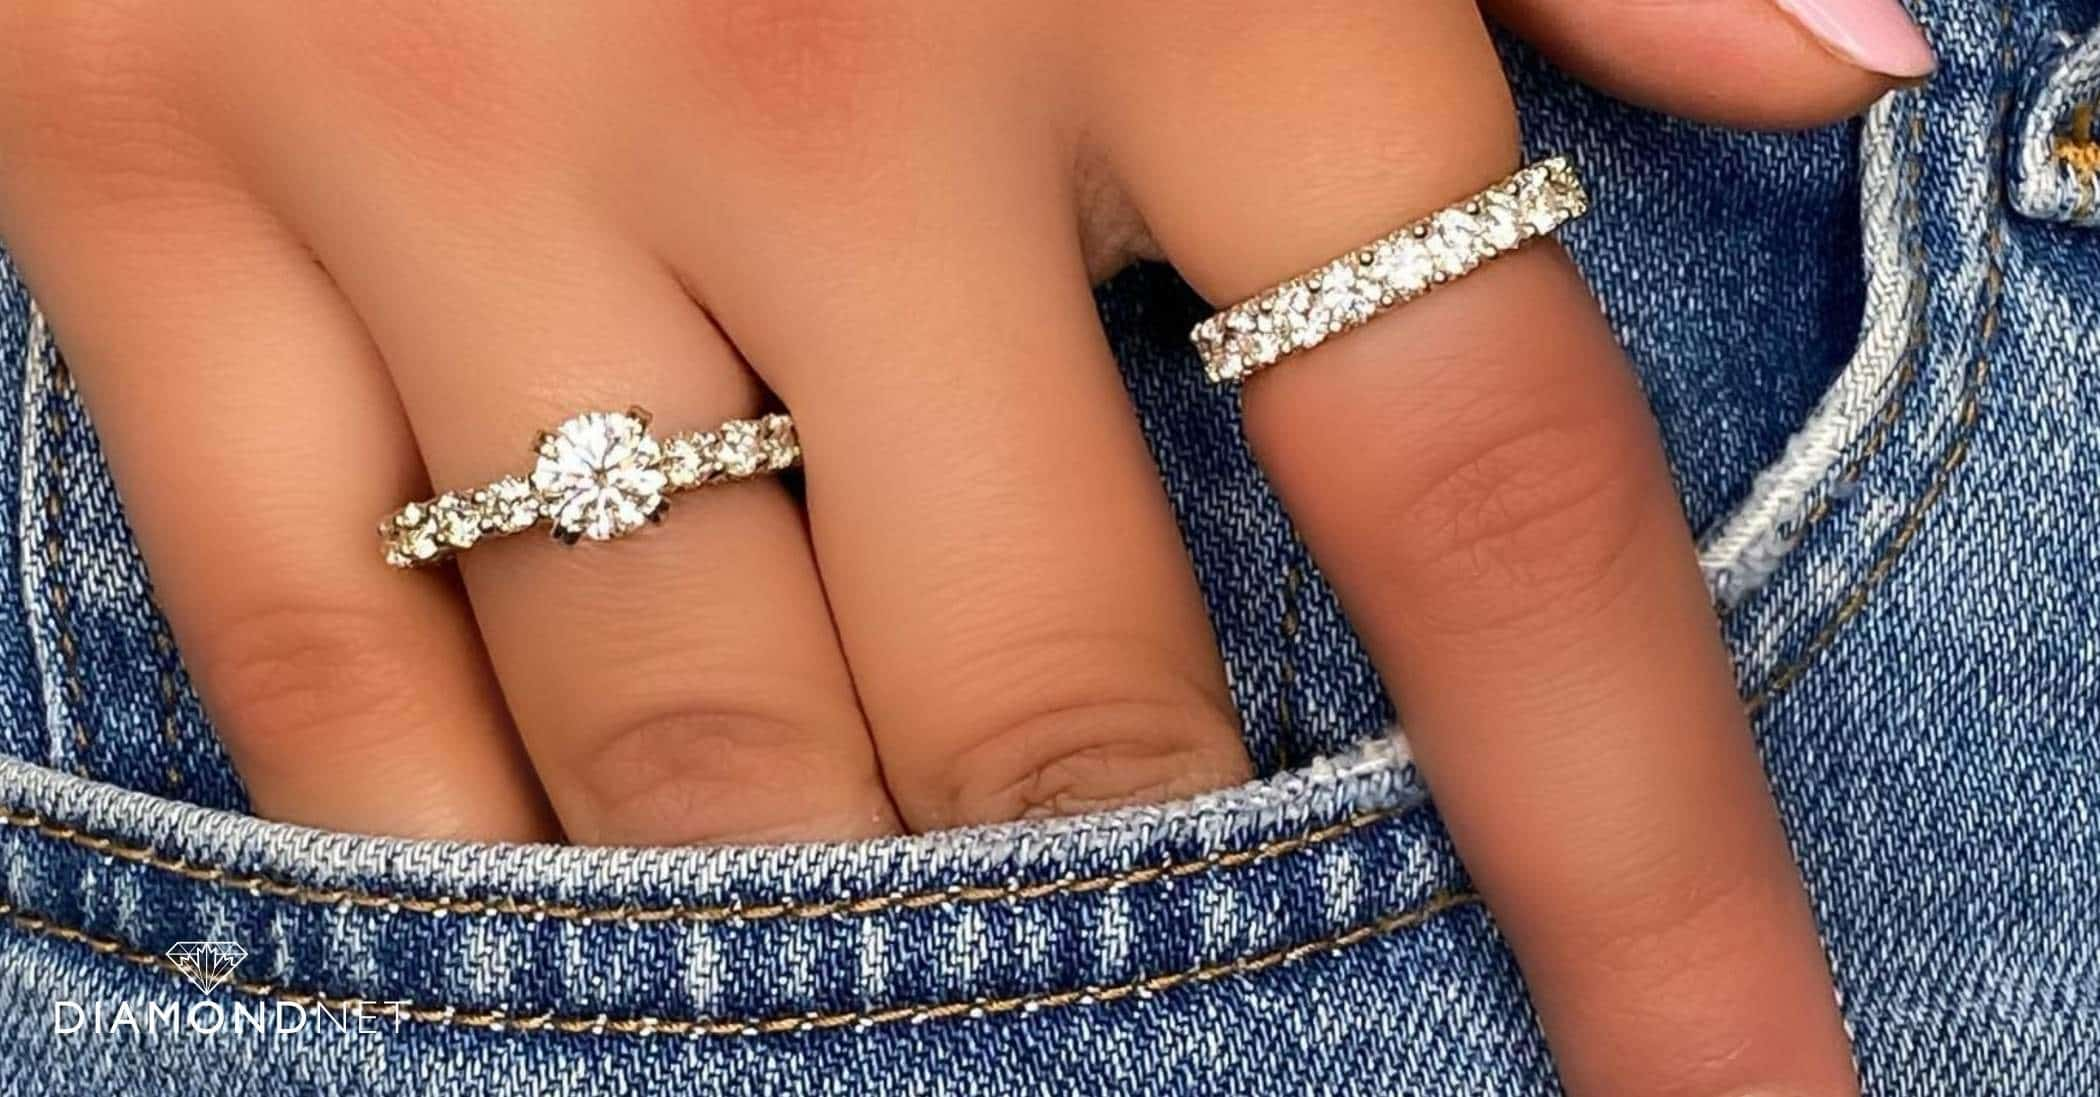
308	260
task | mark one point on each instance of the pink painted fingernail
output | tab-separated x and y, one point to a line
1877	35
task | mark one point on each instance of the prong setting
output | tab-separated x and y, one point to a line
1305	311
599	476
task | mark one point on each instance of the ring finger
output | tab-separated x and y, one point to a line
684	685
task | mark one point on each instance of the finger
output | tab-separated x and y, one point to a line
680	685
1020	616
253	434
1477	476
684	686
1779	64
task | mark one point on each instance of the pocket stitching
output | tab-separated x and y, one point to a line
1968	418
1743	552
1891	411
646	1025
44	380
439	905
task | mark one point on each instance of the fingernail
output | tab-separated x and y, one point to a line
1876	35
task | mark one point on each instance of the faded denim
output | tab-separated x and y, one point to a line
1875	354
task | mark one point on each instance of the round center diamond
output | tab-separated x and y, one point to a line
600	476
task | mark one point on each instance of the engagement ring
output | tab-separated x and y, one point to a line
600	476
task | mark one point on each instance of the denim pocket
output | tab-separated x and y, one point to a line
1288	933
1321	913
1310	930
1957	289
90	679
1826	457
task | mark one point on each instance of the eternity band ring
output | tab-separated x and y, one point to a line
599	476
1348	292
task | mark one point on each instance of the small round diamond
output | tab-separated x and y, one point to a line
598	474
455	521
508	506
1403	266
686	460
778	442
1346	296
1299	319
1255	349
411	537
740	452
1499	219
1545	199
1455	242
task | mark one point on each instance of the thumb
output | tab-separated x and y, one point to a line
1757	64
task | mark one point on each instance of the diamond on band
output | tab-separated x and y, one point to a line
599	476
1306	311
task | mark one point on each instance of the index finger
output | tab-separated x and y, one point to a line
1479	478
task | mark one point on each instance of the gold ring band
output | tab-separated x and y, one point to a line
599	476
1348	292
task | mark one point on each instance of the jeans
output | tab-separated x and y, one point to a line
1875	354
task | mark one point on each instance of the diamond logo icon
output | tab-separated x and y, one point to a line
206	964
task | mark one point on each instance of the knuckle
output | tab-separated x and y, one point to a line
1676	904
441	72
1694	931
1522	511
284	678
1679	930
426	50
708	771
96	89
805	75
457	93
82	47
1090	755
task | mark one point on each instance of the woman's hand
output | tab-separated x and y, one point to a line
308	260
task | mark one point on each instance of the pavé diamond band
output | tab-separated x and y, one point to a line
1306	311
599	476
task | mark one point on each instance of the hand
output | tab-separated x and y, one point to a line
309	260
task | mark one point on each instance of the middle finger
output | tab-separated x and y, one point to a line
1018	610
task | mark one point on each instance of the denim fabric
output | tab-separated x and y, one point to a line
2057	163
1875	354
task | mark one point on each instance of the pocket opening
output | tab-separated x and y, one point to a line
1849	423
739	941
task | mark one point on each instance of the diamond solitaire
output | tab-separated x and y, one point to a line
599	476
